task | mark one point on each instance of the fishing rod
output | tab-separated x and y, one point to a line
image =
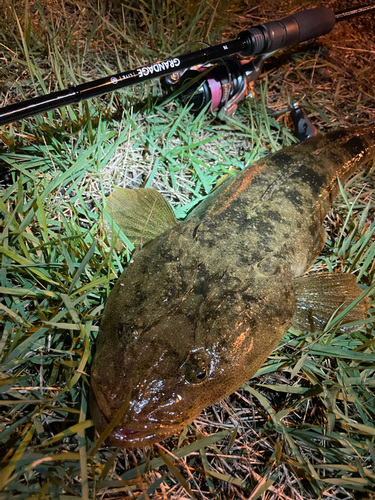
257	41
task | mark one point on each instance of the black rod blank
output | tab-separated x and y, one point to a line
344	15
264	38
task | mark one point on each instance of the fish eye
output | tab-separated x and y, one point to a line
269	266
202	375
196	368
127	332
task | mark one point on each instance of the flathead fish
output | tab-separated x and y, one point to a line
205	301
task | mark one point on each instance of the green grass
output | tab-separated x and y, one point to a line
304	425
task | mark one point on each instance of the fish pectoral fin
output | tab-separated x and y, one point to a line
320	296
142	214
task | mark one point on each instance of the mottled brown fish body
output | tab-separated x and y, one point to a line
201	307
285	196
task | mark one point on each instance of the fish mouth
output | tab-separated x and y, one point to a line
119	433
128	438
125	437
125	432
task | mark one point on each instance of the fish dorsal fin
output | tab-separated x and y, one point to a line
142	214
319	296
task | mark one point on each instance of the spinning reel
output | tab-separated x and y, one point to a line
224	85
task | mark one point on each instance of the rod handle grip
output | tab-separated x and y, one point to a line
291	30
313	23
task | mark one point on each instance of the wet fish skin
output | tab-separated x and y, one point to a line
215	293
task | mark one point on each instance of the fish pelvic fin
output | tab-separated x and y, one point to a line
319	297
141	214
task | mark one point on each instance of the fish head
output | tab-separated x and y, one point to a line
156	370
189	359
169	380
